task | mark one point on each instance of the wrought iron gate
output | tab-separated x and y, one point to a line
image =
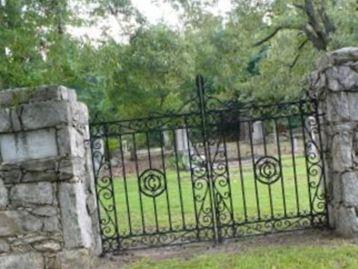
215	171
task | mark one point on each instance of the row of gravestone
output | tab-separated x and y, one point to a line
184	146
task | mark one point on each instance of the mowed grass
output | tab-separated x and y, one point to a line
175	208
333	256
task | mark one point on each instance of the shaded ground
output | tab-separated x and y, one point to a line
294	250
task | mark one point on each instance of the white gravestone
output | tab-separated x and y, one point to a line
166	138
295	144
181	140
257	132
182	144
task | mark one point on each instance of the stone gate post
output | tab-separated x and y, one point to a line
48	211
335	82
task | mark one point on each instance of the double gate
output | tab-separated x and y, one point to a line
215	171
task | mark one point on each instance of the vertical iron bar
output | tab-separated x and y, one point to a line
206	144
125	184
227	174
137	173
165	179
306	158
254	167
192	178
265	153
155	214
108	157
241	178
294	166
150	167
178	179
148	150
281	173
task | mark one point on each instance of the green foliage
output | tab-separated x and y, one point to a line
181	161
291	55
28	30
154	72
148	75
113	145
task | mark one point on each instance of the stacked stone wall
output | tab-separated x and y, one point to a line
48	214
335	83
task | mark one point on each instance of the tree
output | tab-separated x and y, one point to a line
33	42
311	20
149	75
261	50
294	34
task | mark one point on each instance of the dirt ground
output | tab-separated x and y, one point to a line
305	238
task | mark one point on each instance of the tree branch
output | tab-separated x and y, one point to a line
318	41
277	29
292	65
314	31
317	28
299	6
259	43
327	22
309	9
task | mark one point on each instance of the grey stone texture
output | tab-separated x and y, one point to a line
28	145
335	83
4	197
48	210
22	261
32	193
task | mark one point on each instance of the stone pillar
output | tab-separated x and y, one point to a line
48	211
336	85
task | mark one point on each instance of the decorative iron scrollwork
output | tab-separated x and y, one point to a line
267	170
152	182
214	148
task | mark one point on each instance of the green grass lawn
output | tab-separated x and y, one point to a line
333	256
175	208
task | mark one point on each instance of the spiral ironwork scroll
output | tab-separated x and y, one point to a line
315	169
105	196
152	182
267	170
221	179
200	185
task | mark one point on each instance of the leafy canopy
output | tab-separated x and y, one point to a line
260	50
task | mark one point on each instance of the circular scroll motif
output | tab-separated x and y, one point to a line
267	170
152	182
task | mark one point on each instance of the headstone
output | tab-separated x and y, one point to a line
181	140
257	132
166	137
125	146
295	145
